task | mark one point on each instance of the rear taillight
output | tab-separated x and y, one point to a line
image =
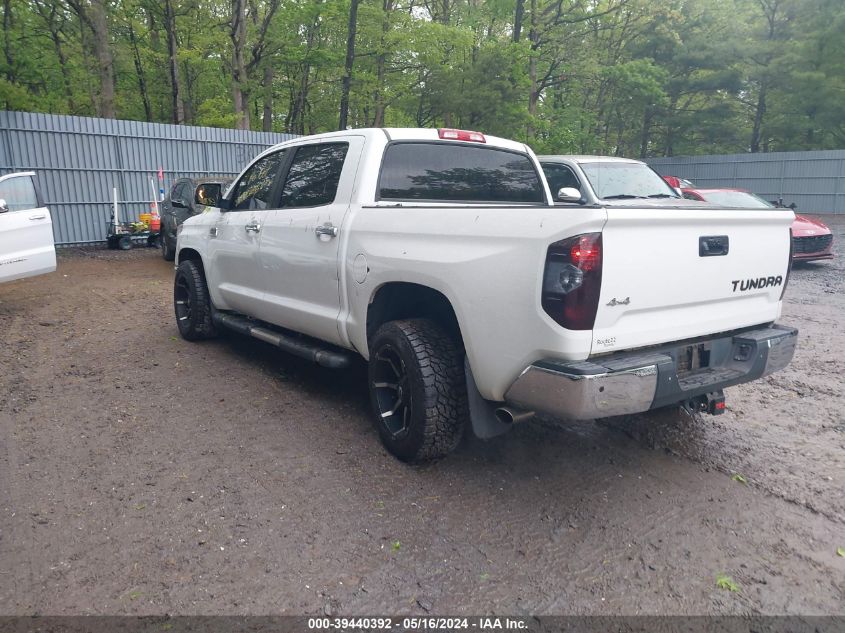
572	281
788	266
460	135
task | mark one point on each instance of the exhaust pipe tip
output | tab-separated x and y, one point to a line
509	415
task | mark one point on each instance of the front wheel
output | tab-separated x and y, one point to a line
167	250
417	389
192	303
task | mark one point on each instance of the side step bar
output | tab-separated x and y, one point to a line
308	349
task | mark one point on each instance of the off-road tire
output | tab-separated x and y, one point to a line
124	243
434	365
167	251
194	316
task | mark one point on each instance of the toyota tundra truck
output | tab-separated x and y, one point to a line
477	298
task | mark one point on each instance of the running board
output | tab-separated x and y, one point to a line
309	349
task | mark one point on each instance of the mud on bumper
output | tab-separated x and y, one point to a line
632	382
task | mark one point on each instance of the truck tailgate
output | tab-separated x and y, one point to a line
665	276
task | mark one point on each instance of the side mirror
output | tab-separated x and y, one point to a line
4	208
568	194
208	194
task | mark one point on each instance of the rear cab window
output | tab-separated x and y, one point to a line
434	171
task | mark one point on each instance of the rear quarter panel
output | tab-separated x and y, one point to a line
488	261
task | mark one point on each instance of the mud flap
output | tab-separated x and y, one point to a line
485	424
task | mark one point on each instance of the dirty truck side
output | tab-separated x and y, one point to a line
441	258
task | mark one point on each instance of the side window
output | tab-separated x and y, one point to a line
19	193
560	176
186	192
180	190
314	175
255	188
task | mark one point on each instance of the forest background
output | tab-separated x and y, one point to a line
626	77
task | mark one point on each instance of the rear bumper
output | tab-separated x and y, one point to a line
811	257
631	382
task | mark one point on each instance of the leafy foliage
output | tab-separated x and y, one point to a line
625	77
727	583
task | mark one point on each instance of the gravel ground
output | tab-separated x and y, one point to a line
141	474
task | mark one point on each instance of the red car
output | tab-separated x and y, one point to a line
811	239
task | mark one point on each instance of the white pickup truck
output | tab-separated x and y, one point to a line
441	257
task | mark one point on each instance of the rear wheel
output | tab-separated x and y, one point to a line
124	243
417	389
192	303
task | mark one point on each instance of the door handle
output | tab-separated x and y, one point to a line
326	229
40	216
252	227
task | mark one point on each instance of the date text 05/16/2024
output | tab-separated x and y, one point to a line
485	623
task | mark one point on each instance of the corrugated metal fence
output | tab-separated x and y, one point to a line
78	160
815	181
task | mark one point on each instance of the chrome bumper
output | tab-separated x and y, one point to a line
632	382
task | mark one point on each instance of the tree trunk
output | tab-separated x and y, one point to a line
381	62
139	71
646	132
267	84
759	113
105	61
533	91
93	14
49	13
237	33
7	40
173	63
350	61
517	20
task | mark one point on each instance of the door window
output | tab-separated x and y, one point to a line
19	193
177	194
560	176
254	190
314	175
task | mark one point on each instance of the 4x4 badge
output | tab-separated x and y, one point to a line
624	302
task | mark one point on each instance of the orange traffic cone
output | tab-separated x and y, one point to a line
155	221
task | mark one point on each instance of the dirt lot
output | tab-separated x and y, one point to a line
141	474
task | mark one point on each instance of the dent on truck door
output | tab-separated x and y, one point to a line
300	241
26	230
